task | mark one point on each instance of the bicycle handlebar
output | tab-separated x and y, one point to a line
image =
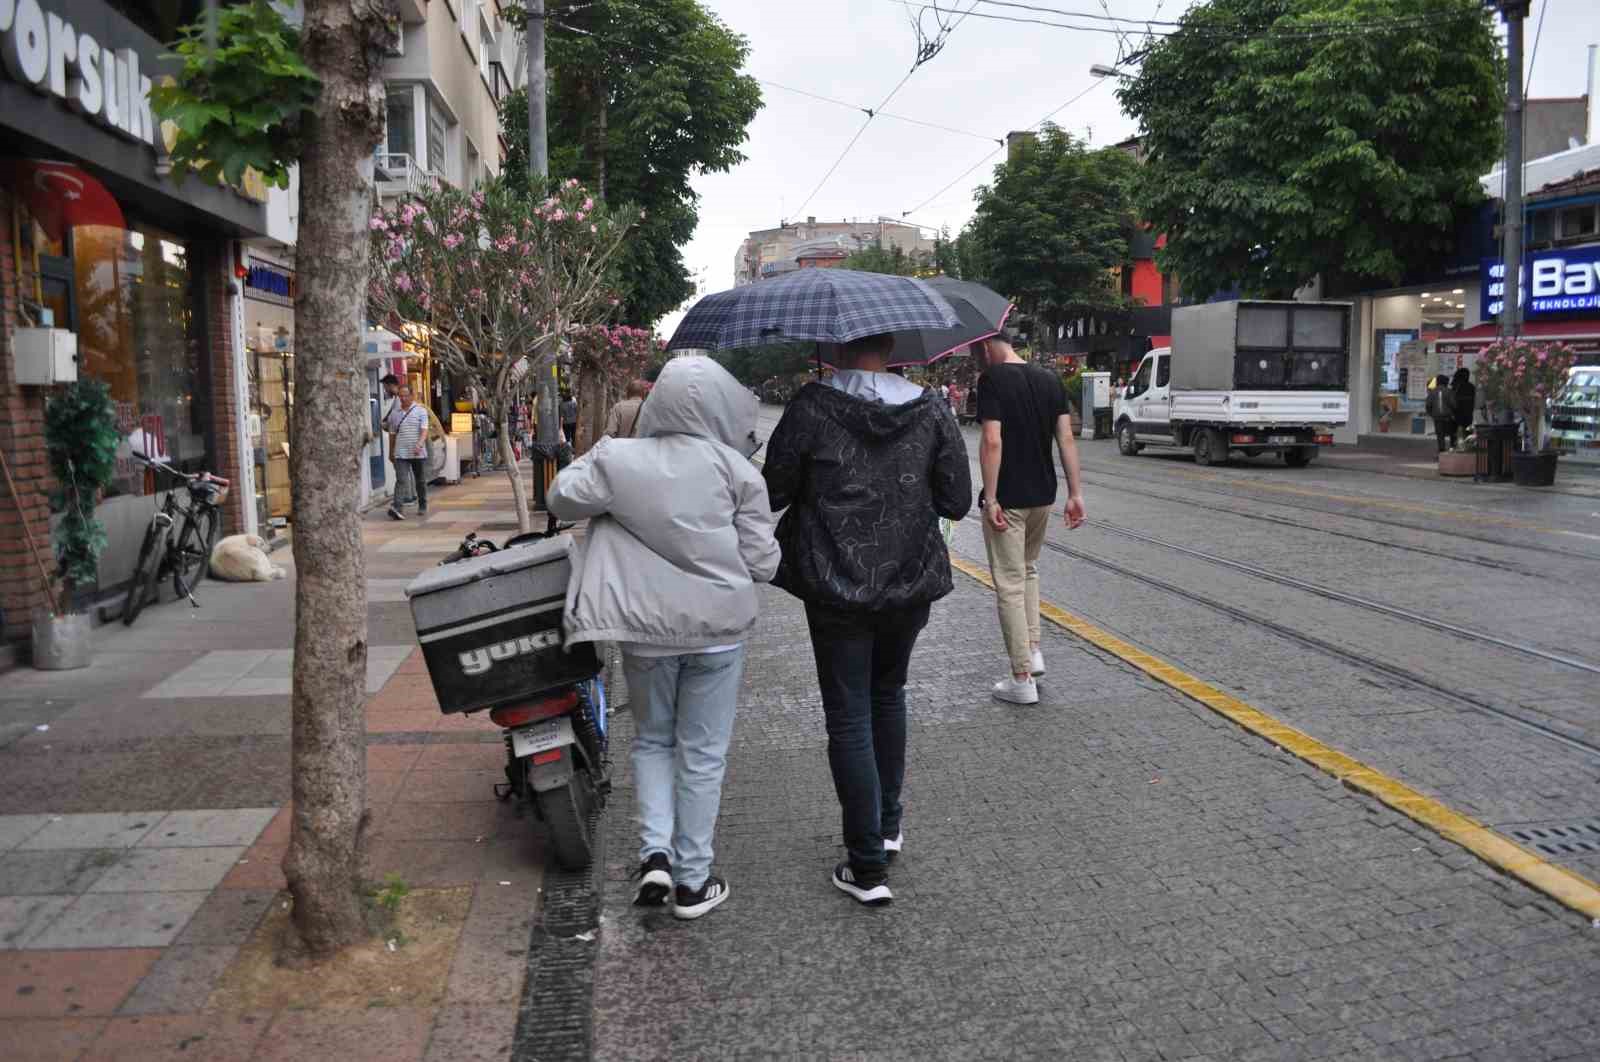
187	477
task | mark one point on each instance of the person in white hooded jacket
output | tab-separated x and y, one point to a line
680	531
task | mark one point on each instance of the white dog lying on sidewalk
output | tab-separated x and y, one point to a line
242	559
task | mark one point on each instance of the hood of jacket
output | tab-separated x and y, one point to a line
696	396
867	419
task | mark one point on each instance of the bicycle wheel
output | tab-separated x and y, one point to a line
192	557
142	586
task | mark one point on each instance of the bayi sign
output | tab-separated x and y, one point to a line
95	78
1563	281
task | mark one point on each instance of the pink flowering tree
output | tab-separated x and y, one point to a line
605	358
493	279
1524	376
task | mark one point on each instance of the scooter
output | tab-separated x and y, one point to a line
489	622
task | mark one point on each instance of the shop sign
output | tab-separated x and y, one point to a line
266	279
97	79
1563	281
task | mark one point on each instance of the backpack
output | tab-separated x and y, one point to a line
1434	406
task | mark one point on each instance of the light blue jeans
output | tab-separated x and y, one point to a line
683	714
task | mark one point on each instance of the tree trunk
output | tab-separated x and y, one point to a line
519	490
324	861
591	407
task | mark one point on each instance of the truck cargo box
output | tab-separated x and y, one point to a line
490	627
1261	345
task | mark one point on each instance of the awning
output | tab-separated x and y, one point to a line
61	196
1583	336
380	343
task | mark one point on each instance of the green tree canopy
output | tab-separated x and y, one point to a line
1295	150
643	95
892	260
1049	230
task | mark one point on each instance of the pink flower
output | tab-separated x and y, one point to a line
572	182
579	215
592	228
377	224
453	241
558	215
588	204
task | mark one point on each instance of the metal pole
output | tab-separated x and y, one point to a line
1511	316
538	171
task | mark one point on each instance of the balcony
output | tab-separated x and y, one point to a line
399	175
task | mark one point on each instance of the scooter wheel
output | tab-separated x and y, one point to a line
567	813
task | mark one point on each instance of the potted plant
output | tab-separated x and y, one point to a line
1522	375
1074	386
81	439
1461	459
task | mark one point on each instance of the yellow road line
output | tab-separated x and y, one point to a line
1560	884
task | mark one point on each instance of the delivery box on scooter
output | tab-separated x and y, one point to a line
490	627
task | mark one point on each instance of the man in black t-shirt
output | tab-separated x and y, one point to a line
1023	409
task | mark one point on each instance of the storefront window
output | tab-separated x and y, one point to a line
135	296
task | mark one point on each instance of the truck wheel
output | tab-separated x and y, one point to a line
1126	441
1300	456
1209	449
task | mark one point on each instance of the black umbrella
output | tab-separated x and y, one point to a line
982	312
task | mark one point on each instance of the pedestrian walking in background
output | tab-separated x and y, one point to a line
865	465
569	418
1441	406
1464	398
390	420
671	574
1024	411
624	416
411	450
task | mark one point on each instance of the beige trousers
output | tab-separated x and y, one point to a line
1014	563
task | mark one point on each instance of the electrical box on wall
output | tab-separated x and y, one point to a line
45	356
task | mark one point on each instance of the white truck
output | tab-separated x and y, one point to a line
1248	376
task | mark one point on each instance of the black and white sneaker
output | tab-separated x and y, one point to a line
892	845
693	903
396	514
655	881
871	891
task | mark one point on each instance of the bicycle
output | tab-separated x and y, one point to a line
186	555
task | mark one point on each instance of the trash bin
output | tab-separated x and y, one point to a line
1495	445
547	459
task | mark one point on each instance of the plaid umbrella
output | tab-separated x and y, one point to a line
982	314
820	305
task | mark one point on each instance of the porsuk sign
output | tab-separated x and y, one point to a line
1558	282
95	78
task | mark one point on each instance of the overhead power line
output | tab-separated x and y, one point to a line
880	114
996	151
1219	31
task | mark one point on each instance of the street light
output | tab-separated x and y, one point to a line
1101	70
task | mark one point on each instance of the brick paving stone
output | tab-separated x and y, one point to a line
259	867
1116	870
382	1034
84	983
48	1039
228	916
162	1038
472	1032
120	920
181	980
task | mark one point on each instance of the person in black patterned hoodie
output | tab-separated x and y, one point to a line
865	465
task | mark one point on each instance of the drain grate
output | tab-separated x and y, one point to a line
1569	838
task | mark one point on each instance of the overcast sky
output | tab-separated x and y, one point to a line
991	77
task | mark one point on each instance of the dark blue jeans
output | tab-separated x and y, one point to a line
862	659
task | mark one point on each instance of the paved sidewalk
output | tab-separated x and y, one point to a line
143	821
1116	873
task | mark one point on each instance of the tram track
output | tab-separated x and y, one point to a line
1123	480
1283	521
1360	661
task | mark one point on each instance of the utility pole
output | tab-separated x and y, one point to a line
546	376
1513	11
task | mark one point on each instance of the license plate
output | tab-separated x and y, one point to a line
1282	440
541	737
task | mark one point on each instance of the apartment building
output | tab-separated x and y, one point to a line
445	76
771	252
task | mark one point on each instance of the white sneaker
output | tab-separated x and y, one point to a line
1037	660
892	845
1017	691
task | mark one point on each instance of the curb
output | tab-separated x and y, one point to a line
1564	886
